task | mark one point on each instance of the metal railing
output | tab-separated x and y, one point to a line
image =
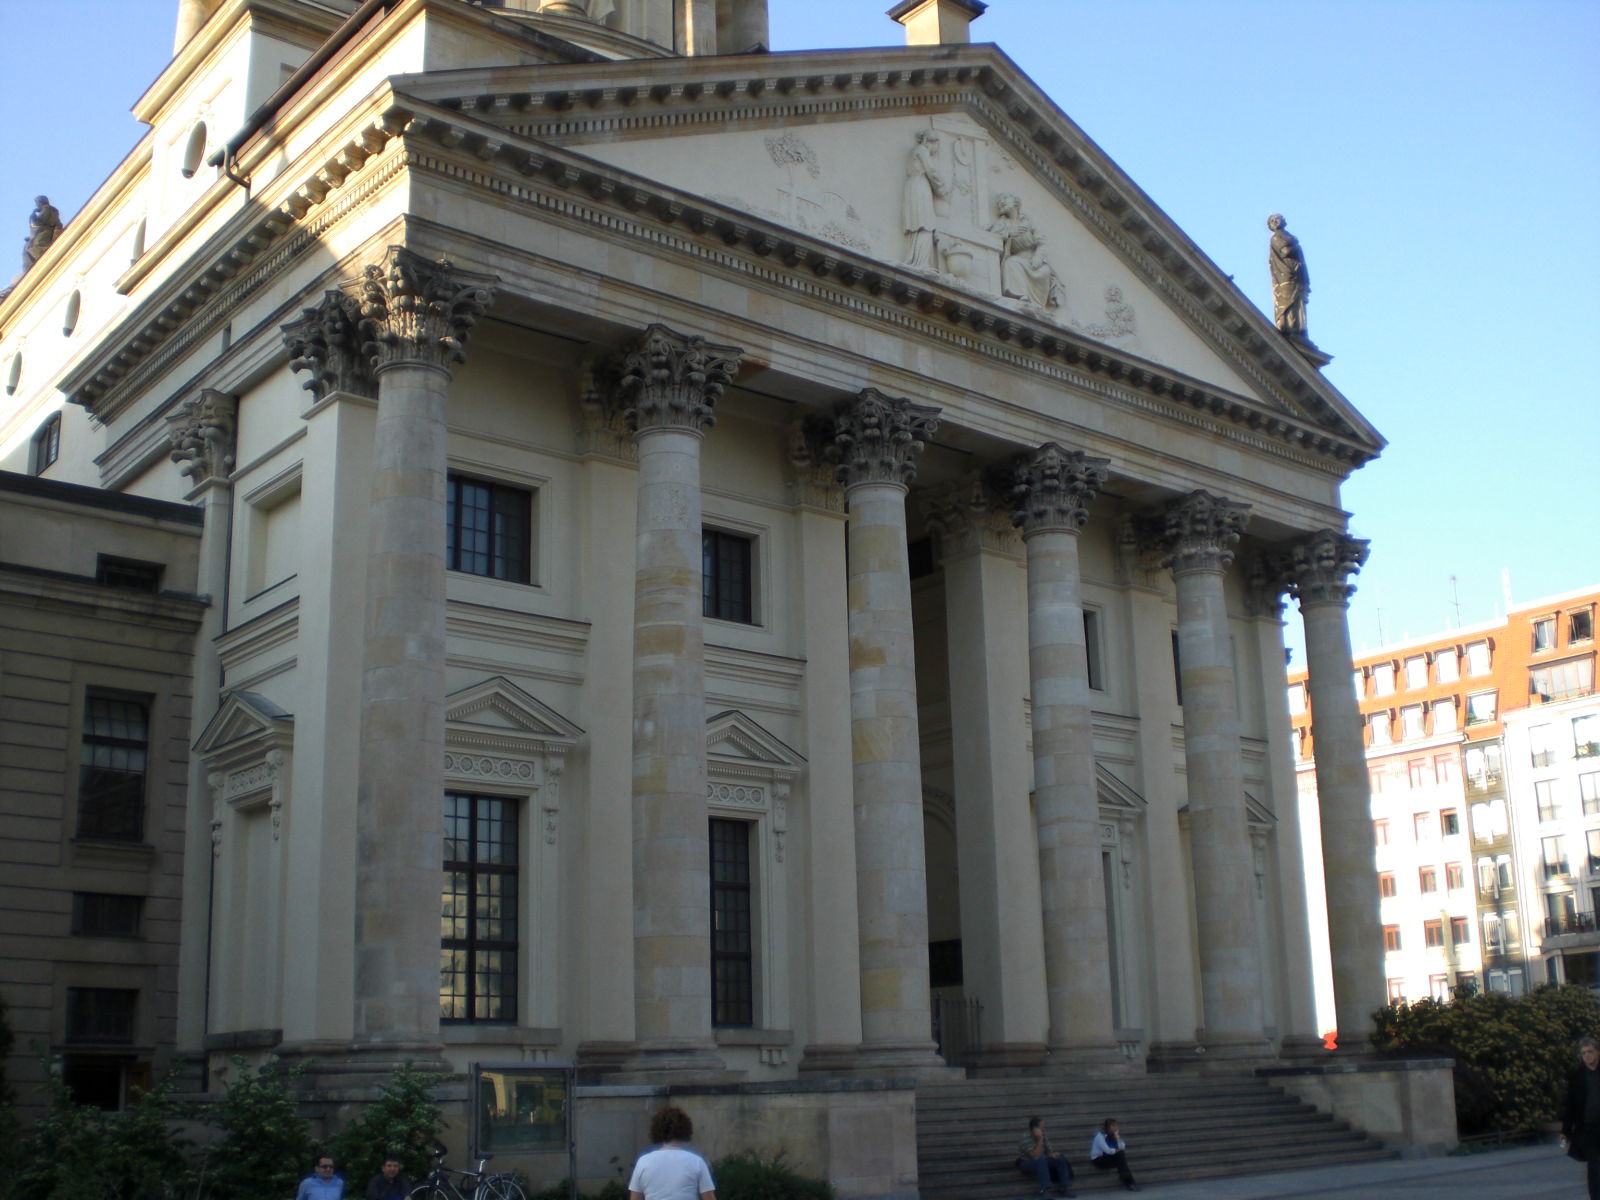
958	1029
1574	923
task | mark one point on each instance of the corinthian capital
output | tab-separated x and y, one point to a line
1052	489
876	438
417	311
1199	532
970	514
202	433
1320	566
326	343
672	380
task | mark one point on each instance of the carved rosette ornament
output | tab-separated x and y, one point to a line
418	312
326	343
1052	488
876	438
672	380
1320	567
202	435
1199	532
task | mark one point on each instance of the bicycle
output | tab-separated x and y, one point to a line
439	1185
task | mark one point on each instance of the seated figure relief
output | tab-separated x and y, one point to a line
1025	274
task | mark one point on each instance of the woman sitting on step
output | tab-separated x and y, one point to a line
1108	1151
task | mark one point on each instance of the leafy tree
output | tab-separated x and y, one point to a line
404	1122
265	1147
1512	1054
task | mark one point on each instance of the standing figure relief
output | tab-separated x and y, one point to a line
926	189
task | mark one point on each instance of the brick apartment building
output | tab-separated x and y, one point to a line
1483	750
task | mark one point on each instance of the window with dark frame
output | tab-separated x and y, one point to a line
1386	884
489	529
1580	625
1091	647
479	917
129	574
102	914
101	1016
732	942
113	758
1433	933
1391	937
726	582
1177	670
47	444
1460	931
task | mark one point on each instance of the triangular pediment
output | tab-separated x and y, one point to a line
832	146
1113	794
1257	813
496	711
245	719
734	739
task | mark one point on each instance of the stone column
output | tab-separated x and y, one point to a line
1199	533
202	434
1319	569
415	318
671	384
876	441
1053	489
985	606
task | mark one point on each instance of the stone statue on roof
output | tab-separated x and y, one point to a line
1290	282
44	223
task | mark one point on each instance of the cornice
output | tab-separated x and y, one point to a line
579	103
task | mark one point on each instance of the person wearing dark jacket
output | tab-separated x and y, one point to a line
389	1184
1580	1116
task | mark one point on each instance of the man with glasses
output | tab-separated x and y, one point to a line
322	1183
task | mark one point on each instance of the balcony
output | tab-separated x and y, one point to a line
1576	932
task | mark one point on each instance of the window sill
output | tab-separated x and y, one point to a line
473	1034
731	1036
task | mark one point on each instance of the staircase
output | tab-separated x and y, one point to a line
1178	1127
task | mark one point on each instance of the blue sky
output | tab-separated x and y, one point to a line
1439	160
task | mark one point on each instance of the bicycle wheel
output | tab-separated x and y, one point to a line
434	1190
499	1187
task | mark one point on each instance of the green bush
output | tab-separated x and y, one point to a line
747	1176
265	1147
404	1121
1512	1054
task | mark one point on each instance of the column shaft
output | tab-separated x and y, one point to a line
671	865
399	823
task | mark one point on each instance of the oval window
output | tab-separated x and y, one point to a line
69	318
195	150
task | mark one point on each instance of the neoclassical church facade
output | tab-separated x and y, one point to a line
802	532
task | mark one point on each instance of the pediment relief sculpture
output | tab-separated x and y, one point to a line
1025	273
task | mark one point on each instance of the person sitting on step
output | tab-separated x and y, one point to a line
1036	1160
1109	1151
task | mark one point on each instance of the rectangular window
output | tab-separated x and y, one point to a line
1375	780
1553	855
1433	933
1580	626
1542	744
1383	679
1417	672
1478	658
1391	937
129	574
726	582
1422	826
1378	722
47	444
489	529
1593	839
1483	766
1397	991
1427	879
1411	721
1544	792
1460	931
1455	876
732	927
1586	736
1544	634
1177	669
1091	648
1416	772
101	1016
1439	988
1447	665
1359	680
1493	934
1385	884
1444	767
112	762
1449	822
1480	707
1297	699
1589	789
1468	982
1444	716
1562	680
479	910
100	914
1380	833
